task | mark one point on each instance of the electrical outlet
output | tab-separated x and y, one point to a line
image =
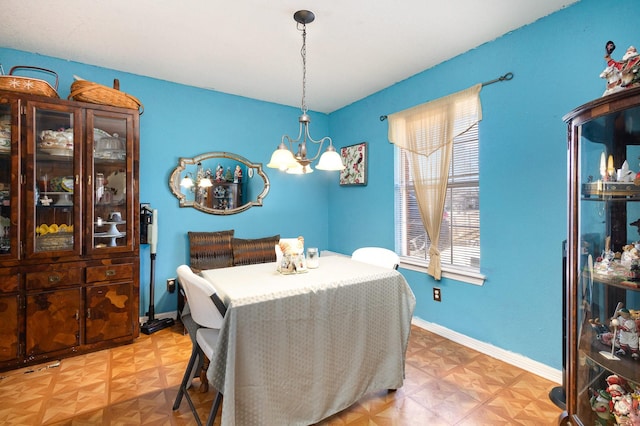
437	295
171	285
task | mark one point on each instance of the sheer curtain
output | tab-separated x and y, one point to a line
427	132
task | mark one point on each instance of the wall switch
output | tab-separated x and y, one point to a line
437	295
171	285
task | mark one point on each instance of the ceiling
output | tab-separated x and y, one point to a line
252	47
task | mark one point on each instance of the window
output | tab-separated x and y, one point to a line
460	230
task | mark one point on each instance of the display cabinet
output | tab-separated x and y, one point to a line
603	261
69	217
224	195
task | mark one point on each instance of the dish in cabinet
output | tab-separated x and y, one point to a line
117	182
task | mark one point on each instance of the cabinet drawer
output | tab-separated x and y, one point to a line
57	278
8	283
110	273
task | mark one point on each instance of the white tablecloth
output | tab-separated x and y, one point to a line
295	349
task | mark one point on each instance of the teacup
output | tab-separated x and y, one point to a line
115	217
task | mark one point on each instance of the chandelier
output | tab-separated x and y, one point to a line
283	157
203	180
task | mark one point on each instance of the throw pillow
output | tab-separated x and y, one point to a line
210	250
257	250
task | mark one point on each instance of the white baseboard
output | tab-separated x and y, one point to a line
512	358
171	314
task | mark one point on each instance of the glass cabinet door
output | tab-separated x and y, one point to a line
9	172
53	191
110	170
607	280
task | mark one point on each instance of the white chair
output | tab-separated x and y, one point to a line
377	256
206	313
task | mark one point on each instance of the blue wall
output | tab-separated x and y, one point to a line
556	62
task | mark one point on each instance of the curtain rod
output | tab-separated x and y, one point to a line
506	77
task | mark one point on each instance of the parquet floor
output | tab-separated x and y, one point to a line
446	384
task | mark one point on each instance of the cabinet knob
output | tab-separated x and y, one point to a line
54	278
88	313
77	315
110	272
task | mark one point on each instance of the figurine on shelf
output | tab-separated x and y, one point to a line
598	327
623	174
600	402
219	173
228	176
237	174
617	403
604	263
630	257
628	334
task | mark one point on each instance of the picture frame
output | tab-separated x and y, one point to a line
355	161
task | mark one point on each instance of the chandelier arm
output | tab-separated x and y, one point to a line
321	143
287	140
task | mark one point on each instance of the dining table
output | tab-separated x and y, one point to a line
295	349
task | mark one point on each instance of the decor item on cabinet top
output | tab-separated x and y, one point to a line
57	142
283	157
32	86
622	74
87	91
355	160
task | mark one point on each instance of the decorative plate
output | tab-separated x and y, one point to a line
67	184
117	181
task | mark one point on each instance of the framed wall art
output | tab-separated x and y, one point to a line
355	161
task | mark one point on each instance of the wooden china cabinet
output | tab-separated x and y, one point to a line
603	261
69	221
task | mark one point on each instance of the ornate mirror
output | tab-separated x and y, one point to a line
219	183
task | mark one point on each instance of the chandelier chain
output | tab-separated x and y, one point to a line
303	53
